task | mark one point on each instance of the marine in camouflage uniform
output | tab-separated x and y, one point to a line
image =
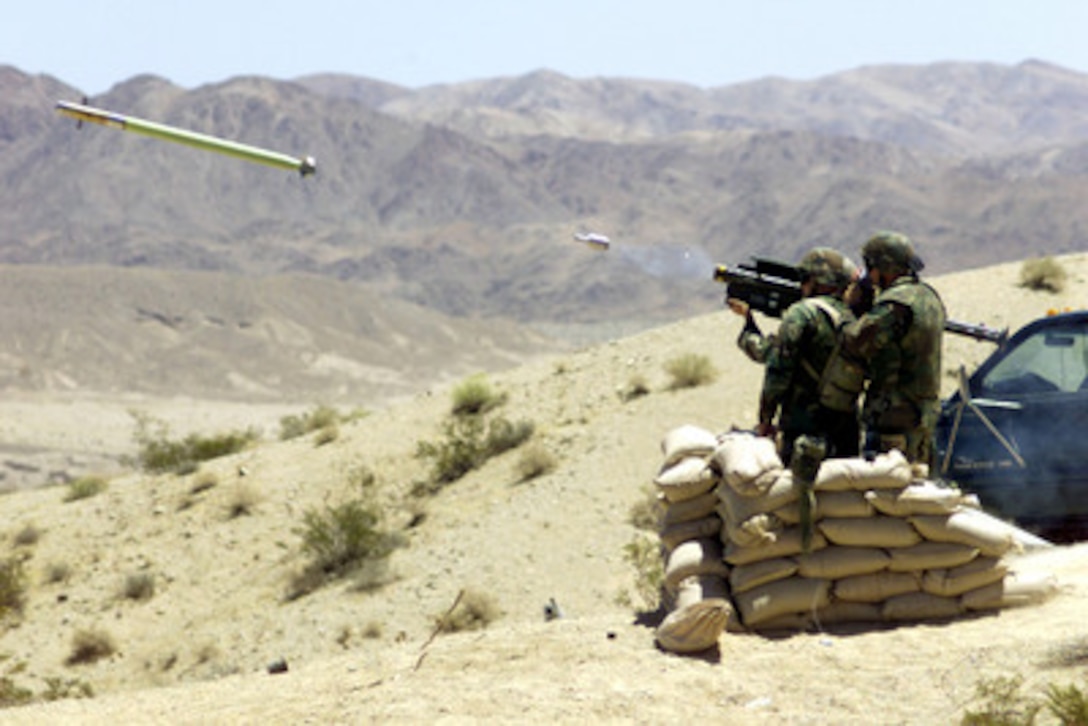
795	359
898	342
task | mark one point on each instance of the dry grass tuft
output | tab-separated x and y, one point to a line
1044	274
90	646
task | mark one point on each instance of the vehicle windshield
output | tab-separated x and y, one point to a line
1052	360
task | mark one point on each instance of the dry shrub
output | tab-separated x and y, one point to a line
536	460
690	370
139	586
474	610
12	586
243	501
319	418
646	512
85	487
475	396
636	387
89	646
28	536
1043	274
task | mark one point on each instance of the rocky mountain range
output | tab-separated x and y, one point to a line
462	199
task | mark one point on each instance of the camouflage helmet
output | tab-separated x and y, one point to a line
891	252
826	266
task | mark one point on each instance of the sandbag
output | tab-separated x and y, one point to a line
841	612
956	581
970	527
1014	590
687	440
674	534
930	555
919	498
704	505
835	562
697	588
746	577
741	457
787	543
695	557
885	471
876	587
757	531
782	597
694	627
921	606
879	531
829	504
686	479
737	507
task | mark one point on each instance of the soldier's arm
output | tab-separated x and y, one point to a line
782	363
885	323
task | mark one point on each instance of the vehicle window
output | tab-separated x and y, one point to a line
1052	360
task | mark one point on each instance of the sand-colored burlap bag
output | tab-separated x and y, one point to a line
787	543
878	531
844	504
695	557
687	440
885	471
757	531
695	627
673	535
876	587
704	505
686	479
746	577
916	606
956	581
970	527
783	597
833	563
742	458
1016	589
930	555
737	507
919	498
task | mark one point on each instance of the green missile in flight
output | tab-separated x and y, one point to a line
304	166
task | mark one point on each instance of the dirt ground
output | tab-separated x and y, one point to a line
200	649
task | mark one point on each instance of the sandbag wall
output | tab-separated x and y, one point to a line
882	543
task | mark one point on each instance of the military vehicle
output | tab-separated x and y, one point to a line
1016	431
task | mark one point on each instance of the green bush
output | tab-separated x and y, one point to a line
85	487
341	539
13	583
469	442
159	454
1044	274
690	371
318	418
475	396
644	554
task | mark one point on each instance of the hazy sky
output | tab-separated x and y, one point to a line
94	44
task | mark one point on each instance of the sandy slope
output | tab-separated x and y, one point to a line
198	650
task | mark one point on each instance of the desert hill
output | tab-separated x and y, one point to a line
463	197
199	649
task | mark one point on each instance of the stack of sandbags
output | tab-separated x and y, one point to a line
695	585
883	543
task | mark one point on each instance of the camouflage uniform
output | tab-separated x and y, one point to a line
795	360
899	343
